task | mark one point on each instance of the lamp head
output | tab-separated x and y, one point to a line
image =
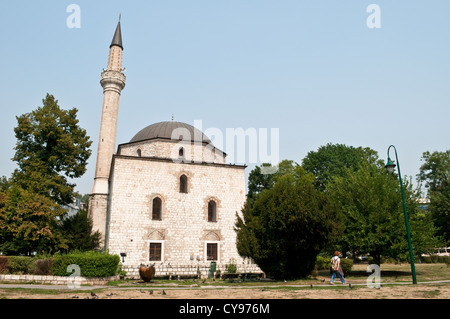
390	166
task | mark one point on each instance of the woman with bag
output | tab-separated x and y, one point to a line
336	268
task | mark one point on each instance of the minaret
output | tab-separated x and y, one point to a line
113	81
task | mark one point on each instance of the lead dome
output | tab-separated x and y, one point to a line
168	130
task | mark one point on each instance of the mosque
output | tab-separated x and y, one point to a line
167	196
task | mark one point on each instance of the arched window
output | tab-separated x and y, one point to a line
183	184
139	152
156	208
212	216
181	152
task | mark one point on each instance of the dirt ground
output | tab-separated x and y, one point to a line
421	291
395	279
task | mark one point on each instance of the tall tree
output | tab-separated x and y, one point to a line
77	229
259	180
370	206
286	226
335	160
29	223
435	173
51	148
440	212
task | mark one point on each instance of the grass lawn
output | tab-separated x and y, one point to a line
402	272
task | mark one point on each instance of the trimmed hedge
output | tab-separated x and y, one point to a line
324	263
92	264
436	259
21	265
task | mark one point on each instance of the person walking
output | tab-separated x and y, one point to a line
336	268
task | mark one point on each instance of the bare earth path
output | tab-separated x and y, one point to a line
421	291
434	283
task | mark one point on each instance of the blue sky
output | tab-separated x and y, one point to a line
312	69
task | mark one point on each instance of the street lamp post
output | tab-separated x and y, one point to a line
390	166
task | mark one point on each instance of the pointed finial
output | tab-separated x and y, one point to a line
117	39
120	16
172	116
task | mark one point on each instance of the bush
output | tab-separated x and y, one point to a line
4	264
231	268
92	264
284	228
21	265
347	265
43	267
324	263
432	259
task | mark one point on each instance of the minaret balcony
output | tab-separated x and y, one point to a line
113	78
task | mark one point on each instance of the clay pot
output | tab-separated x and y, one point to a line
147	273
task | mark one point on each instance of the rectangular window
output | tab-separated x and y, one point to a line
155	251
211	251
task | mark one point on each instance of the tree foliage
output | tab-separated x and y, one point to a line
285	227
29	223
259	179
435	173
51	148
336	160
371	209
77	230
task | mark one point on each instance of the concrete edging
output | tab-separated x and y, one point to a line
57	280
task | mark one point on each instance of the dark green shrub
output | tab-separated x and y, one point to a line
324	263
446	259
433	259
92	264
347	265
231	268
21	265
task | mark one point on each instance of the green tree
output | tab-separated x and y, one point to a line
29	223
286	226
440	212
264	176
335	160
77	230
371	209
51	148
435	173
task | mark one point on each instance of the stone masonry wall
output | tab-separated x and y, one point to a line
193	270
184	230
170	149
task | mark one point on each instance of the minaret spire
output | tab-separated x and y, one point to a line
113	82
117	39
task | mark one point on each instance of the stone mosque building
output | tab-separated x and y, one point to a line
166	197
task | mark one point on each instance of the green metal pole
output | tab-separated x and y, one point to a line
408	232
